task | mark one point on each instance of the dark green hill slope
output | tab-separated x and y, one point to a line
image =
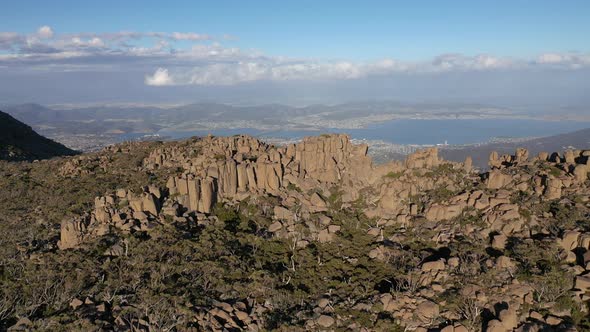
20	142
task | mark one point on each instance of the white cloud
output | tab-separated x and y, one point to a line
566	60
8	40
189	58
278	69
448	62
188	36
96	42
281	70
159	78
79	42
45	32
550	58
203	51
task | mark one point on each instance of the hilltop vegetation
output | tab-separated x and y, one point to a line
230	234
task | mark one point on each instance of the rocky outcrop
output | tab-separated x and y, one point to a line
468	164
426	158
123	211
556	175
304	195
228	169
496	161
521	155
73	232
244	166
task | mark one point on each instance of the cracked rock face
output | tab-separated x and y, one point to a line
227	168
253	168
217	169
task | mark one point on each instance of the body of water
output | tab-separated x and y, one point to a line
419	132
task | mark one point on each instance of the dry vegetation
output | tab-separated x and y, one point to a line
232	273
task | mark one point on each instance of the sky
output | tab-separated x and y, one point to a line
295	51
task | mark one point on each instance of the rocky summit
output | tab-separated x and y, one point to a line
233	234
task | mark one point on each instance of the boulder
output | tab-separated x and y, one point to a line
75	303
504	262
72	232
496	326
583	282
460	328
543	156
325	321
242	316
427	311
443	212
499	241
323	303
497	180
325	236
438	265
494	161
569	157
333	229
317	201
581	173
553	188
150	204
508	318
569	240
275	227
283	213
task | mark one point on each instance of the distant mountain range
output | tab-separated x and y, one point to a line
149	119
87	128
575	140
18	141
92	127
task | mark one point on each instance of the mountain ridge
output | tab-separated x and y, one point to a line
579	139
19	141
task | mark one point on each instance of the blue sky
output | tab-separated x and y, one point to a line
357	30
525	52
